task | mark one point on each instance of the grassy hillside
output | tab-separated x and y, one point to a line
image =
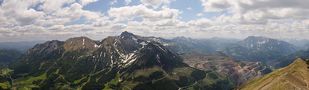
293	77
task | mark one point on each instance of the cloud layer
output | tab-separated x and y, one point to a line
60	19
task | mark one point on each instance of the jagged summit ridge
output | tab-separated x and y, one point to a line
126	34
121	51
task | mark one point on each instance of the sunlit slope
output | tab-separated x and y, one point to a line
293	77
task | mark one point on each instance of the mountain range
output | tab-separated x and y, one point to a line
126	61
262	49
131	61
253	48
268	51
181	45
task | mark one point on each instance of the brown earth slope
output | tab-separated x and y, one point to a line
238	71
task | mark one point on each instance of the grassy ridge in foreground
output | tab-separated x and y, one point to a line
293	77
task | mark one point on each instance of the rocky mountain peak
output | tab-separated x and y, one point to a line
258	42
154	54
258	39
46	50
126	34
79	43
258	48
48	46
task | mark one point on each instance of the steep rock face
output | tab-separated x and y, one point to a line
238	71
127	61
293	77
260	49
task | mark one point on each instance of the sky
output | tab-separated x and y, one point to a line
30	20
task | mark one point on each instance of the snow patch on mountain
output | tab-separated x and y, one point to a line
97	46
129	59
83	41
143	43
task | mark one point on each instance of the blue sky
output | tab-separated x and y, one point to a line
189	8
